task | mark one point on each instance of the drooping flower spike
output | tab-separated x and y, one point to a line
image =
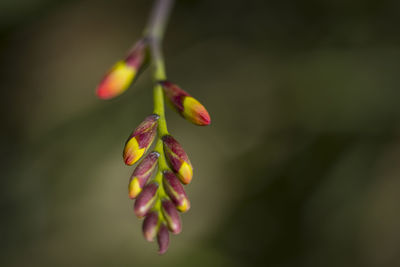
121	75
159	198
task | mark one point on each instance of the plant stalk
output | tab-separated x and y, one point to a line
154	34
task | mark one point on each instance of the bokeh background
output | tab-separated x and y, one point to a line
300	166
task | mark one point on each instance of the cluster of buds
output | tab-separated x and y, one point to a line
157	200
156	184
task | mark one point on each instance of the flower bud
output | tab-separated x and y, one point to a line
163	239
171	216
175	191
145	200
121	75
142	174
140	140
178	159
185	104
150	226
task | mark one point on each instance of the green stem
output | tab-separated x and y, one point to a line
158	19
154	34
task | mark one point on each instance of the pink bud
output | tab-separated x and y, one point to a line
121	75
171	216
185	104
142	174
163	239
178	159
140	140
175	191
145	200
150	226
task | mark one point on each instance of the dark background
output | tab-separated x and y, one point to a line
300	166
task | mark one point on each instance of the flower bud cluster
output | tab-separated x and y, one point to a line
157	200
156	184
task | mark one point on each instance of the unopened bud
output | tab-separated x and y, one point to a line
175	191
163	239
140	140
185	104
121	75
142	174
145	200
178	159
150	226
171	216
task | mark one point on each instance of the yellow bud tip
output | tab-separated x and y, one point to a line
134	188
132	152
185	173
116	81
195	112
185	206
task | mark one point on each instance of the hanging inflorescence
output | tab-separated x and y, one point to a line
156	182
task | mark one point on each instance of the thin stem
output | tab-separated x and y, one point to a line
158	60
154	34
158	19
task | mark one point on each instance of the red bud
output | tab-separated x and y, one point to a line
175	191
185	104
163	239
142	174
140	140
121	75
150	226
178	159
171	216
145	200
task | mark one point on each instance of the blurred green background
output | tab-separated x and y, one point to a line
300	166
